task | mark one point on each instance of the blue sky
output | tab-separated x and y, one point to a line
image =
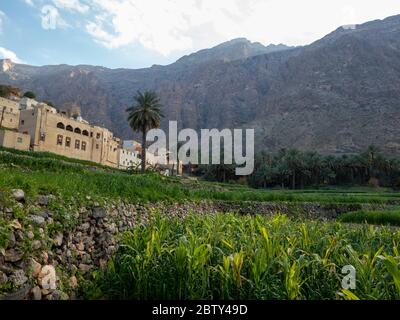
140	33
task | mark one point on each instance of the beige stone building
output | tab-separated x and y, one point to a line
59	133
128	159
159	160
14	140
9	113
35	126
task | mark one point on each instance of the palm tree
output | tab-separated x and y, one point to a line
145	115
294	162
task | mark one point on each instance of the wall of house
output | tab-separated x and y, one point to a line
9	114
14	140
127	159
53	132
47	130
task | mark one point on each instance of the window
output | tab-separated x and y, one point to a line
19	140
69	128
83	146
60	125
98	136
85	133
42	137
59	140
97	146
77	130
77	144
22	122
91	134
68	142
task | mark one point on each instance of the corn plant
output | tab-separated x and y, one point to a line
226	256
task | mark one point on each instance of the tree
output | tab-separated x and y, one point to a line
143	116
49	103
294	163
30	95
8	91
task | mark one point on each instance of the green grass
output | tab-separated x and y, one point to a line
51	156
390	217
233	257
38	173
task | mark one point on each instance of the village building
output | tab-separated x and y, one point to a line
158	160
60	133
26	124
14	140
9	113
128	159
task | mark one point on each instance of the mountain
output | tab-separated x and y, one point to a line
336	95
235	49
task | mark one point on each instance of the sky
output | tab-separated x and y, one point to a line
140	33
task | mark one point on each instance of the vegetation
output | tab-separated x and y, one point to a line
30	95
39	172
232	257
295	169
220	256
6	91
8	154
143	116
49	103
390	217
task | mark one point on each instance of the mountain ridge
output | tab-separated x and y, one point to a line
336	95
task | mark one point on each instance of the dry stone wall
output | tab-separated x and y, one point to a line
44	257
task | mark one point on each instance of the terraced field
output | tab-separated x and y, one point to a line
236	253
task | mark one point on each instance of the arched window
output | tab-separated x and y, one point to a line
60	125
85	133
59	140
77	130
69	128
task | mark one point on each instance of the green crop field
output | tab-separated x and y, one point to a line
219	256
44	173
231	257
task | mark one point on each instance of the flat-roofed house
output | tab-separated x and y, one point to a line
128	159
14	140
9	114
55	132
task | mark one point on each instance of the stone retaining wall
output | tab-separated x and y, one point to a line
46	260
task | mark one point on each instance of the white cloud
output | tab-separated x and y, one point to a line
71	5
2	16
51	18
168	26
8	54
29	2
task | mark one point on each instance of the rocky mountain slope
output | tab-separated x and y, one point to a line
337	95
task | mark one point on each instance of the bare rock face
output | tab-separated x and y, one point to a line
6	65
337	95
